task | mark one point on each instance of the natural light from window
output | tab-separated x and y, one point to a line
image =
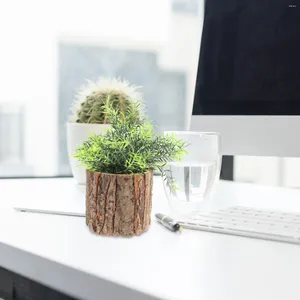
48	52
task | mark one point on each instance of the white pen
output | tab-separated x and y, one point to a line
49	212
168	222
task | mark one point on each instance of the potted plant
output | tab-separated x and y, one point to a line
88	117
120	166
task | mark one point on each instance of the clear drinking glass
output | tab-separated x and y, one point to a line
196	175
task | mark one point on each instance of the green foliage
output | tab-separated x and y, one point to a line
92	110
130	145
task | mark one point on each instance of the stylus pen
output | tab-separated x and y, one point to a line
168	222
49	212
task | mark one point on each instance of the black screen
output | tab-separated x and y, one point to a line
249	62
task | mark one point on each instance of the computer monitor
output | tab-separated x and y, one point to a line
248	81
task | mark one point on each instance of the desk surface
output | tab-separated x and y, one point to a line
60	252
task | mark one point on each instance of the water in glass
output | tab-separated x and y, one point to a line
196	175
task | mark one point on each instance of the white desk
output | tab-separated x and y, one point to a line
61	253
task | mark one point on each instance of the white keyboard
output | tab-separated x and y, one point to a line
249	222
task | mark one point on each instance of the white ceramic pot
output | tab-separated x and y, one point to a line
76	134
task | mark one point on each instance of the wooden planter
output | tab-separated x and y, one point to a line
118	204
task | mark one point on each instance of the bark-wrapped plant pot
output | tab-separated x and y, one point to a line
119	176
118	204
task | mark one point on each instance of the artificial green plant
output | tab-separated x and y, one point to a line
131	145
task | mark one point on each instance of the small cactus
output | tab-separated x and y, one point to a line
92	97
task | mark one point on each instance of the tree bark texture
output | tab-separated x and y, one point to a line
118	204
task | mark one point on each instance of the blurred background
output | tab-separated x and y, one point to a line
49	49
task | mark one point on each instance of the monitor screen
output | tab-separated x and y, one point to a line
249	61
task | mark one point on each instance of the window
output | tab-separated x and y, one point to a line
49	49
